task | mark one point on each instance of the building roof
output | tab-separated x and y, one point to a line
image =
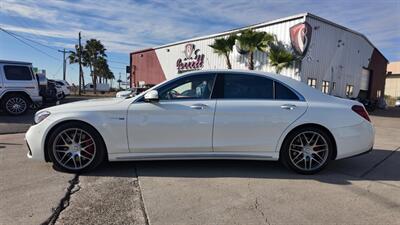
263	24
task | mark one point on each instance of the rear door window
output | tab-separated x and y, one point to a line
246	86
17	73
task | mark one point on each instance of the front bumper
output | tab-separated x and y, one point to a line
35	141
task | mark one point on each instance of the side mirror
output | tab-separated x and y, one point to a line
151	96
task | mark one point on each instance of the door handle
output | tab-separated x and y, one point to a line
288	106
198	106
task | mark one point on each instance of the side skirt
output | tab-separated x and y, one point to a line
269	156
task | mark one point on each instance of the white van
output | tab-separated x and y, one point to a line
99	87
19	87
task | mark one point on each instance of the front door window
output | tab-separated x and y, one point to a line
192	87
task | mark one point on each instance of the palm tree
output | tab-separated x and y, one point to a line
74	58
102	70
224	46
280	57
94	50
251	41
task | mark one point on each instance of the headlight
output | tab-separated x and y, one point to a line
40	116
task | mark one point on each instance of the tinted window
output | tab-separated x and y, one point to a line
17	73
191	87
246	86
282	92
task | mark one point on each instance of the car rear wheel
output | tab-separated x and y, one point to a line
76	147
15	104
307	150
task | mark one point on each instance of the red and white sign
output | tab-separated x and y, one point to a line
300	37
190	63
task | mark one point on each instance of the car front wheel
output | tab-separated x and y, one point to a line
76	147
307	150
15	104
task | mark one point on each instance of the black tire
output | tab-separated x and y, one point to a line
11	101
287	156
99	153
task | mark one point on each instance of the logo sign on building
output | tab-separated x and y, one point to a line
193	59
300	37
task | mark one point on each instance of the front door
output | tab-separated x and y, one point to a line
181	121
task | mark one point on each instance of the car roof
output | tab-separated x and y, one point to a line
15	62
303	89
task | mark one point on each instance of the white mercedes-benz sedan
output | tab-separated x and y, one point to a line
219	114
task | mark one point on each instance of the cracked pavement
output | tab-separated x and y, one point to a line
360	190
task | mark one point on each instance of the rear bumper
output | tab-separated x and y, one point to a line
354	140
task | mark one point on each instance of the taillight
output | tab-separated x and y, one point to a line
360	110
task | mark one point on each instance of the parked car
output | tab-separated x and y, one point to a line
59	89
19	87
397	103
66	89
130	91
369	105
99	87
221	114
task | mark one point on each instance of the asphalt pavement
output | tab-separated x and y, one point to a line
360	190
20	124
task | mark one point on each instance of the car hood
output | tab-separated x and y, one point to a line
85	104
123	93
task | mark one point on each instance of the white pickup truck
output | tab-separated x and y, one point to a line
19	87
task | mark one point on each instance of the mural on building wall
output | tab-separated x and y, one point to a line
300	37
193	59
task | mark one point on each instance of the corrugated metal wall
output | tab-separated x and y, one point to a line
334	55
169	55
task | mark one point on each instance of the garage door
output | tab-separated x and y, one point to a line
364	83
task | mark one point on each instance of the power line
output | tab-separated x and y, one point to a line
114	67
28	39
117	62
26	43
58	70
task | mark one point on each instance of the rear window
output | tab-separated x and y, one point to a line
17	73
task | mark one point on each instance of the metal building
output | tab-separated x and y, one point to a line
335	59
392	87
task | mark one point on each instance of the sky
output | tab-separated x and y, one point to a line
124	26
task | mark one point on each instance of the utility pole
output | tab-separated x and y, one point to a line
80	64
64	63
119	81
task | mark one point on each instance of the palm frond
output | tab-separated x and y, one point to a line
280	57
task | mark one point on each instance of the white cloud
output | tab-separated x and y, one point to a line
124	26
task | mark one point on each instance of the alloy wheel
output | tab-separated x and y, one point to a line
308	151
74	148
16	105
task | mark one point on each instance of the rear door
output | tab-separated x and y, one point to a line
252	112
